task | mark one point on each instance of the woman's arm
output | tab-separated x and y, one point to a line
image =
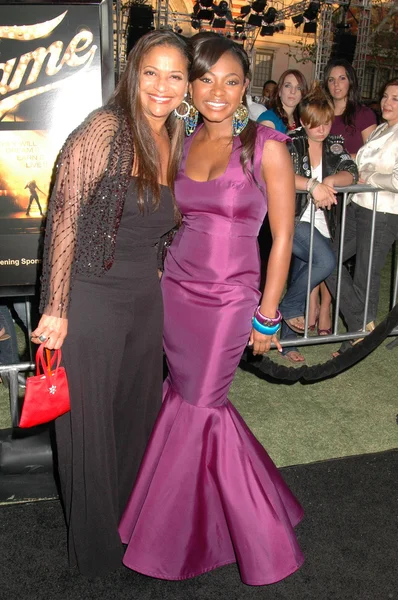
81	165
268	124
366	132
384	181
324	195
341	179
278	175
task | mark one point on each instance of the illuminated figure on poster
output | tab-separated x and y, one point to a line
32	186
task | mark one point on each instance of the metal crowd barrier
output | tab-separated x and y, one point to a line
335	336
305	340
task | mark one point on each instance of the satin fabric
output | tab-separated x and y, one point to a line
207	493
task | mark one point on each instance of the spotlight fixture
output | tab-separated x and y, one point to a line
243	37
298	20
239	26
195	23
219	22
279	27
267	30
309	27
221	9
259	5
177	29
270	16
203	10
245	10
311	12
255	20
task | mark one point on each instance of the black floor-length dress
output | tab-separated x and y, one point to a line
113	359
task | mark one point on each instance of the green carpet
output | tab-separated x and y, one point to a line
350	414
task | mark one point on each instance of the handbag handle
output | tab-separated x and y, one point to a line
49	367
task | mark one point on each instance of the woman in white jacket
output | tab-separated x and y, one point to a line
377	163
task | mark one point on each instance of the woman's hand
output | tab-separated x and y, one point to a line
51	331
262	343
324	194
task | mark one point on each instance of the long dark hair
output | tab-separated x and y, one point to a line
208	47
146	156
276	102
353	97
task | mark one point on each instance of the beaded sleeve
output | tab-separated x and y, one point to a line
86	204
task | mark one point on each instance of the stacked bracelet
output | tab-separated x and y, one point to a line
311	185
265	329
266	325
267	321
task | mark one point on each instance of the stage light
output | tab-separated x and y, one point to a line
311	12
195	24
219	22
243	37
267	30
255	20
239	26
202	10
221	9
298	20
270	15
259	5
309	27
279	27
245	10
177	29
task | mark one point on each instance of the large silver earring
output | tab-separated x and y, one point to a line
186	106
240	120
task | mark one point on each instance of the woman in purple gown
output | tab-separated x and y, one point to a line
207	493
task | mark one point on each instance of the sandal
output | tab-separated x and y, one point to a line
3	335
325	331
294	324
294	356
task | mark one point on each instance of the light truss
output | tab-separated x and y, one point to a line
166	18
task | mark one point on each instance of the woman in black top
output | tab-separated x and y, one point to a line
101	299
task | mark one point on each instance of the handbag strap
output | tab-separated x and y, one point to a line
49	367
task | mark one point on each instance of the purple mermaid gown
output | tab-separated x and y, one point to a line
207	493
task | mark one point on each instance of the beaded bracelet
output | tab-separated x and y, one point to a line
263	329
267	321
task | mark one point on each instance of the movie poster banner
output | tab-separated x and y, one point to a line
56	66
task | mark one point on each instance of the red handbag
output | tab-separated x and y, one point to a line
47	395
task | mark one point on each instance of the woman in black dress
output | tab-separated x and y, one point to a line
101	299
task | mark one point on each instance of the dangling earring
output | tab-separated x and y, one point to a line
190	116
240	120
191	120
186	106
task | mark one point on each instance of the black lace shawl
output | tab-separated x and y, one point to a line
92	176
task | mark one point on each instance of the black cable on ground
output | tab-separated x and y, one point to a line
265	367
